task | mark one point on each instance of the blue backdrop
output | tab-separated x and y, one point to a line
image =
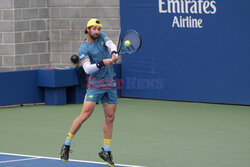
192	51
20	87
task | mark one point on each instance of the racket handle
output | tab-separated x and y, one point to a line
116	53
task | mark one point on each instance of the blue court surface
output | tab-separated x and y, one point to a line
18	160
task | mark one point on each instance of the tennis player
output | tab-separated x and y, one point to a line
97	62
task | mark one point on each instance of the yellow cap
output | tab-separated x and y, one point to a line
94	22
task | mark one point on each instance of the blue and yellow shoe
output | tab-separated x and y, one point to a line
107	157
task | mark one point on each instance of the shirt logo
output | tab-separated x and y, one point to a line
82	56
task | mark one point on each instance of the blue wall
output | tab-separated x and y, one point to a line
20	87
208	64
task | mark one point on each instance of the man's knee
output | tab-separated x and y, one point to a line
85	114
110	118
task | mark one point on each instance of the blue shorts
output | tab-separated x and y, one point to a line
103	95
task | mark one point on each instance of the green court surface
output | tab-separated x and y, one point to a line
146	133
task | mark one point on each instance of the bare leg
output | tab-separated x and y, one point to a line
109	112
87	110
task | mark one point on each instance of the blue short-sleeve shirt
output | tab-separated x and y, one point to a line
97	51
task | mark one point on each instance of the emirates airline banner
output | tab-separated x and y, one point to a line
193	50
186	7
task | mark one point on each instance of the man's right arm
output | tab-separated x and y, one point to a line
91	68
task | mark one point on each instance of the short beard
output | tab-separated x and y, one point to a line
92	37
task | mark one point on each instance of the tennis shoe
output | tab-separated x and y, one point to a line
64	154
107	157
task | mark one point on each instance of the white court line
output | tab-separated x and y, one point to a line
38	157
26	159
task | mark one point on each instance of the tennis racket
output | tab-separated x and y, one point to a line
130	42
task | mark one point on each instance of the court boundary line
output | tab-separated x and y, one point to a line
16	160
74	160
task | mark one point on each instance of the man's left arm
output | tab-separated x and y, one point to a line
113	50
109	43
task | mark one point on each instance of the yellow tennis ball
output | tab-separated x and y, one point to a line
127	43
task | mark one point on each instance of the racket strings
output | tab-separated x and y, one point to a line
134	39
135	42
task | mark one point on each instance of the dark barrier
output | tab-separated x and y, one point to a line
192	50
20	87
52	86
60	86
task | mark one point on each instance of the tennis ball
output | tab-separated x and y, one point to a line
127	43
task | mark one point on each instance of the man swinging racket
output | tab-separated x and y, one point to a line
97	62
